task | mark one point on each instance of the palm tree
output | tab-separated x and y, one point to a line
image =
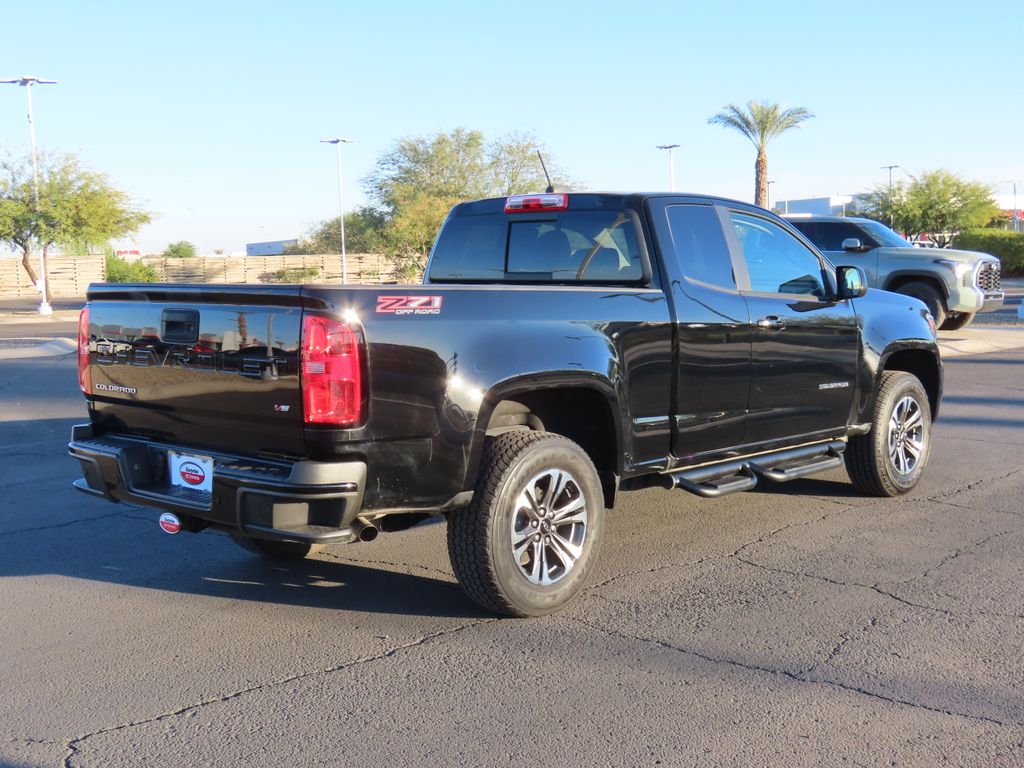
760	122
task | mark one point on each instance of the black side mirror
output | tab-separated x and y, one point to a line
852	244
853	283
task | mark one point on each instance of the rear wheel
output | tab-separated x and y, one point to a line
889	460
274	549
526	544
930	295
956	320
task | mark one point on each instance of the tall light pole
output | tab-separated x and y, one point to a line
337	141
889	168
26	81
770	194
671	165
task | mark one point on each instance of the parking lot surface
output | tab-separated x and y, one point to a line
800	624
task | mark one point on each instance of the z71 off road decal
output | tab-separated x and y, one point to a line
409	305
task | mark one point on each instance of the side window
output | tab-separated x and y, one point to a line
832	233
700	245
776	261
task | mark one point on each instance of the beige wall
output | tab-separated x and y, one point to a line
71	276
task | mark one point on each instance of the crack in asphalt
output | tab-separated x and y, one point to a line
73	746
963	550
353	561
975	483
874	588
795	676
67	524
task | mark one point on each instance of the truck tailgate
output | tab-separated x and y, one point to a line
204	366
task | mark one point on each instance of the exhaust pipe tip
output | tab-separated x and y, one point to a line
368	532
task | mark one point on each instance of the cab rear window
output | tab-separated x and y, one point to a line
574	246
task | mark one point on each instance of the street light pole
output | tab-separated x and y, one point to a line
671	165
770	194
890	167
27	82
337	141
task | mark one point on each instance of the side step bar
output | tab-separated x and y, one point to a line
741	475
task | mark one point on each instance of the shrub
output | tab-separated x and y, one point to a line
292	275
1008	246
120	271
182	249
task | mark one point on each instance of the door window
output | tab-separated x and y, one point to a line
776	261
700	245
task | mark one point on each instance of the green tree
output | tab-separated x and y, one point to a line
416	182
936	203
761	122
362	234
181	249
78	209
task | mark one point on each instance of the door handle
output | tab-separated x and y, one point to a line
771	323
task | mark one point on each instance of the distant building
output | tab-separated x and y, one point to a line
837	205
269	248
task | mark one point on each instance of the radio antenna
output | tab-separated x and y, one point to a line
551	187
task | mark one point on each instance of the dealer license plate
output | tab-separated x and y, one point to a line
189	471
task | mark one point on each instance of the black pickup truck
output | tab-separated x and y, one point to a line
561	349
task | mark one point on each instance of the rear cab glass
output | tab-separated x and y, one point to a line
597	240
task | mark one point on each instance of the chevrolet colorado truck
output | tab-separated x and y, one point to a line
563	348
954	285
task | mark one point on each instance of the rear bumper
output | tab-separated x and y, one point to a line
309	501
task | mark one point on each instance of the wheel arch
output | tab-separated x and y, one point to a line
582	410
922	363
898	279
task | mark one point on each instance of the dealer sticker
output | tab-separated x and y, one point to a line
192	472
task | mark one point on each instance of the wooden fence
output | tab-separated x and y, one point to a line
71	276
365	268
67	276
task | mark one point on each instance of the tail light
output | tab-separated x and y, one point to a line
84	377
332	387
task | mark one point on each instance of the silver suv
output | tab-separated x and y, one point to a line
953	284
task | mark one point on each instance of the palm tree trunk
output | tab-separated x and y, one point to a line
761	179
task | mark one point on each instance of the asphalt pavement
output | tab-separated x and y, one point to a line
793	625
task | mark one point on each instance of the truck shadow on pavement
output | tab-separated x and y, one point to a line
47	528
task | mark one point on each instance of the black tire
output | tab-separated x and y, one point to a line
868	460
274	549
931	297
956	320
482	536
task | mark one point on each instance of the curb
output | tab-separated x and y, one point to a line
45	348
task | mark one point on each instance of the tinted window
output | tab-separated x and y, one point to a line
884	235
830	235
572	246
776	261
700	245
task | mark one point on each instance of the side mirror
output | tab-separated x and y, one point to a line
852	244
853	283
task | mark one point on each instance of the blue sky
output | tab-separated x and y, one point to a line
218	107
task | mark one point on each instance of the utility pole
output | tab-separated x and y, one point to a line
27	82
337	141
890	167
671	165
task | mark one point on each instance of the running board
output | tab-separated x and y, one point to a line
728	477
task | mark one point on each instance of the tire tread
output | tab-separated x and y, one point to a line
468	529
